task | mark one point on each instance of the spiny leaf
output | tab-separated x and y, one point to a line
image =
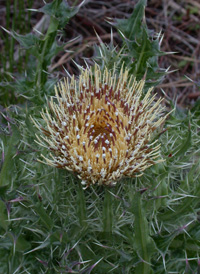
186	144
26	41
60	10
183	208
131	27
45	218
140	46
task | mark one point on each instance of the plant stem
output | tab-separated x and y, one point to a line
107	212
41	71
143	241
81	206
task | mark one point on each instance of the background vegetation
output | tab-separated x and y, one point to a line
48	224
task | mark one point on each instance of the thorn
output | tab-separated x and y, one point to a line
68	74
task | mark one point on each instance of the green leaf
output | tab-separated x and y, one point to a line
107	55
186	144
3	216
3	190
81	206
141	46
131	27
60	10
188	204
143	51
53	27
107	212
163	242
22	244
143	242
26	41
10	151
43	215
42	246
53	51
58	237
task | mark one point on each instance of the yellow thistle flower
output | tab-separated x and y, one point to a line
100	128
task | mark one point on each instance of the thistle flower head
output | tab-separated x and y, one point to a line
100	128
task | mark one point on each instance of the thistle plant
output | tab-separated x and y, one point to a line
100	128
104	128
